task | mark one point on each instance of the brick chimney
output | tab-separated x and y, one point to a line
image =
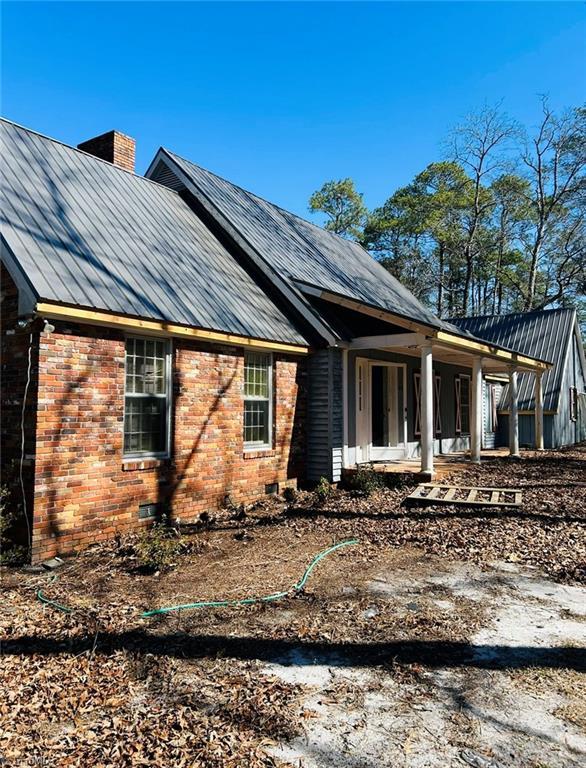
114	147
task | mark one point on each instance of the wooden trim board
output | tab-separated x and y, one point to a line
160	327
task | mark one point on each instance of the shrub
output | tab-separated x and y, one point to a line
366	480
158	547
10	553
323	490
290	495
5	516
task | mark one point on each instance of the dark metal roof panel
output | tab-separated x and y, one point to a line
307	253
542	334
88	233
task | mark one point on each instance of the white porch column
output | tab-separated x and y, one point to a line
513	414
476	420
538	411
426	403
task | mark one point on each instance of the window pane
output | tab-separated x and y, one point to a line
145	424
256	421
146	373
256	375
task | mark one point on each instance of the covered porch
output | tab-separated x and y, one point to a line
414	399
405	387
443	464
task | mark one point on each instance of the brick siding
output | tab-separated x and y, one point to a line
84	492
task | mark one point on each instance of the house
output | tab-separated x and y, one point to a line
173	339
553	334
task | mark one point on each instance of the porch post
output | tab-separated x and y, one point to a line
476	420
426	402
538	411
513	414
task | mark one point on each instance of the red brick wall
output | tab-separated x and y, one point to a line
83	490
14	349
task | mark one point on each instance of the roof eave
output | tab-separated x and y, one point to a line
59	311
466	344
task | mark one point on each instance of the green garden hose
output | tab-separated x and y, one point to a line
53	603
298	587
251	600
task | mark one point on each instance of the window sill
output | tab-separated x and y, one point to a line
258	453
132	464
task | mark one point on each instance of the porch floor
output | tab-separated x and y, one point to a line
443	464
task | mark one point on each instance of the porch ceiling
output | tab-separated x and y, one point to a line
451	348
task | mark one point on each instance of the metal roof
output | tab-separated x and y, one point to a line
543	334
299	250
88	233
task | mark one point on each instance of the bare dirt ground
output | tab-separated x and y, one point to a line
446	637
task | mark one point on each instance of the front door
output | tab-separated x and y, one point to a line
380	425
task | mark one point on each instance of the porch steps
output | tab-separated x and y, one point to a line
464	495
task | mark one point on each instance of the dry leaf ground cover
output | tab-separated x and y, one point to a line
428	643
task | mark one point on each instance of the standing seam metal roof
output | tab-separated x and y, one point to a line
305	252
542	334
88	233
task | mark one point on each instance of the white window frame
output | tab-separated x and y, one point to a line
168	396
250	446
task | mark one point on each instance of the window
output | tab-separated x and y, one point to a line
463	405
258	400
437	401
146	401
437	414
417	387
491	417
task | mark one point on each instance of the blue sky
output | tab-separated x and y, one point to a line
280	97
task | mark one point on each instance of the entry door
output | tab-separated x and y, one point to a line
386	411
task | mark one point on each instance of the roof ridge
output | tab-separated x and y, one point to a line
261	198
83	152
512	314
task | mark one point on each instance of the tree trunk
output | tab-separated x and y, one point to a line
530	298
467	279
440	287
